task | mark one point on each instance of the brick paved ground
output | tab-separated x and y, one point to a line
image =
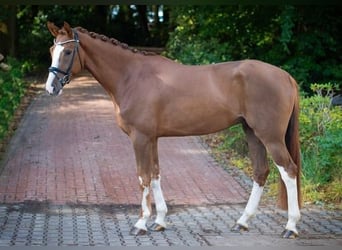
68	149
68	179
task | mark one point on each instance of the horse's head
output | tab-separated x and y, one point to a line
64	54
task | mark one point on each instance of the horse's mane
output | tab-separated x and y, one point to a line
114	42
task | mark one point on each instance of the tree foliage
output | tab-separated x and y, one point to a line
304	40
12	89
29	39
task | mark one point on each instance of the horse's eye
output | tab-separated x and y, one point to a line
67	52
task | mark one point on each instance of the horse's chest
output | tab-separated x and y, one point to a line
122	123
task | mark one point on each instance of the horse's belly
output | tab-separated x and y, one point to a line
196	123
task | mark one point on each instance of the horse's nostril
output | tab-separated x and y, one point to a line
49	92
53	92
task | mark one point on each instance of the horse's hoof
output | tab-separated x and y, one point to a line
156	227
239	228
289	234
137	231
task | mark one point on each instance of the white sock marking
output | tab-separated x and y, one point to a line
252	204
292	198
160	202
145	211
55	63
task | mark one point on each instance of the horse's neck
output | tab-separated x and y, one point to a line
109	64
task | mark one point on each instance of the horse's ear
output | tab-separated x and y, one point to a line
53	28
67	28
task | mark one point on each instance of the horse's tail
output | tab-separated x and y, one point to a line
293	146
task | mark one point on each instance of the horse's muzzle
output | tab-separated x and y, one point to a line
54	90
55	93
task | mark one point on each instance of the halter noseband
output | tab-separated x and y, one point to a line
67	74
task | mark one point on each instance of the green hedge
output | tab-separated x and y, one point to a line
321	140
321	137
12	89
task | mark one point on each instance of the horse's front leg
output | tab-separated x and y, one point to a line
144	159
159	224
145	149
140	227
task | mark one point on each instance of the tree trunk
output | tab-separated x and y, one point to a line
101	18
12	30
156	16
143	22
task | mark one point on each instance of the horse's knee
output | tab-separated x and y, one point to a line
144	182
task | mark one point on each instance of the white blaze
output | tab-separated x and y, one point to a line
55	63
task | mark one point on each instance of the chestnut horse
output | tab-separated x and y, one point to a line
154	97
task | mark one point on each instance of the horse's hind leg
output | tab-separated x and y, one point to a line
288	172
258	157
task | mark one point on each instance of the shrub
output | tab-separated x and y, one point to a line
321	140
12	88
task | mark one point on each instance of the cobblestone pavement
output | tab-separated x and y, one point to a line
68	179
41	224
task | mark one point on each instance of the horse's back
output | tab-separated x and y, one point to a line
253	86
183	100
